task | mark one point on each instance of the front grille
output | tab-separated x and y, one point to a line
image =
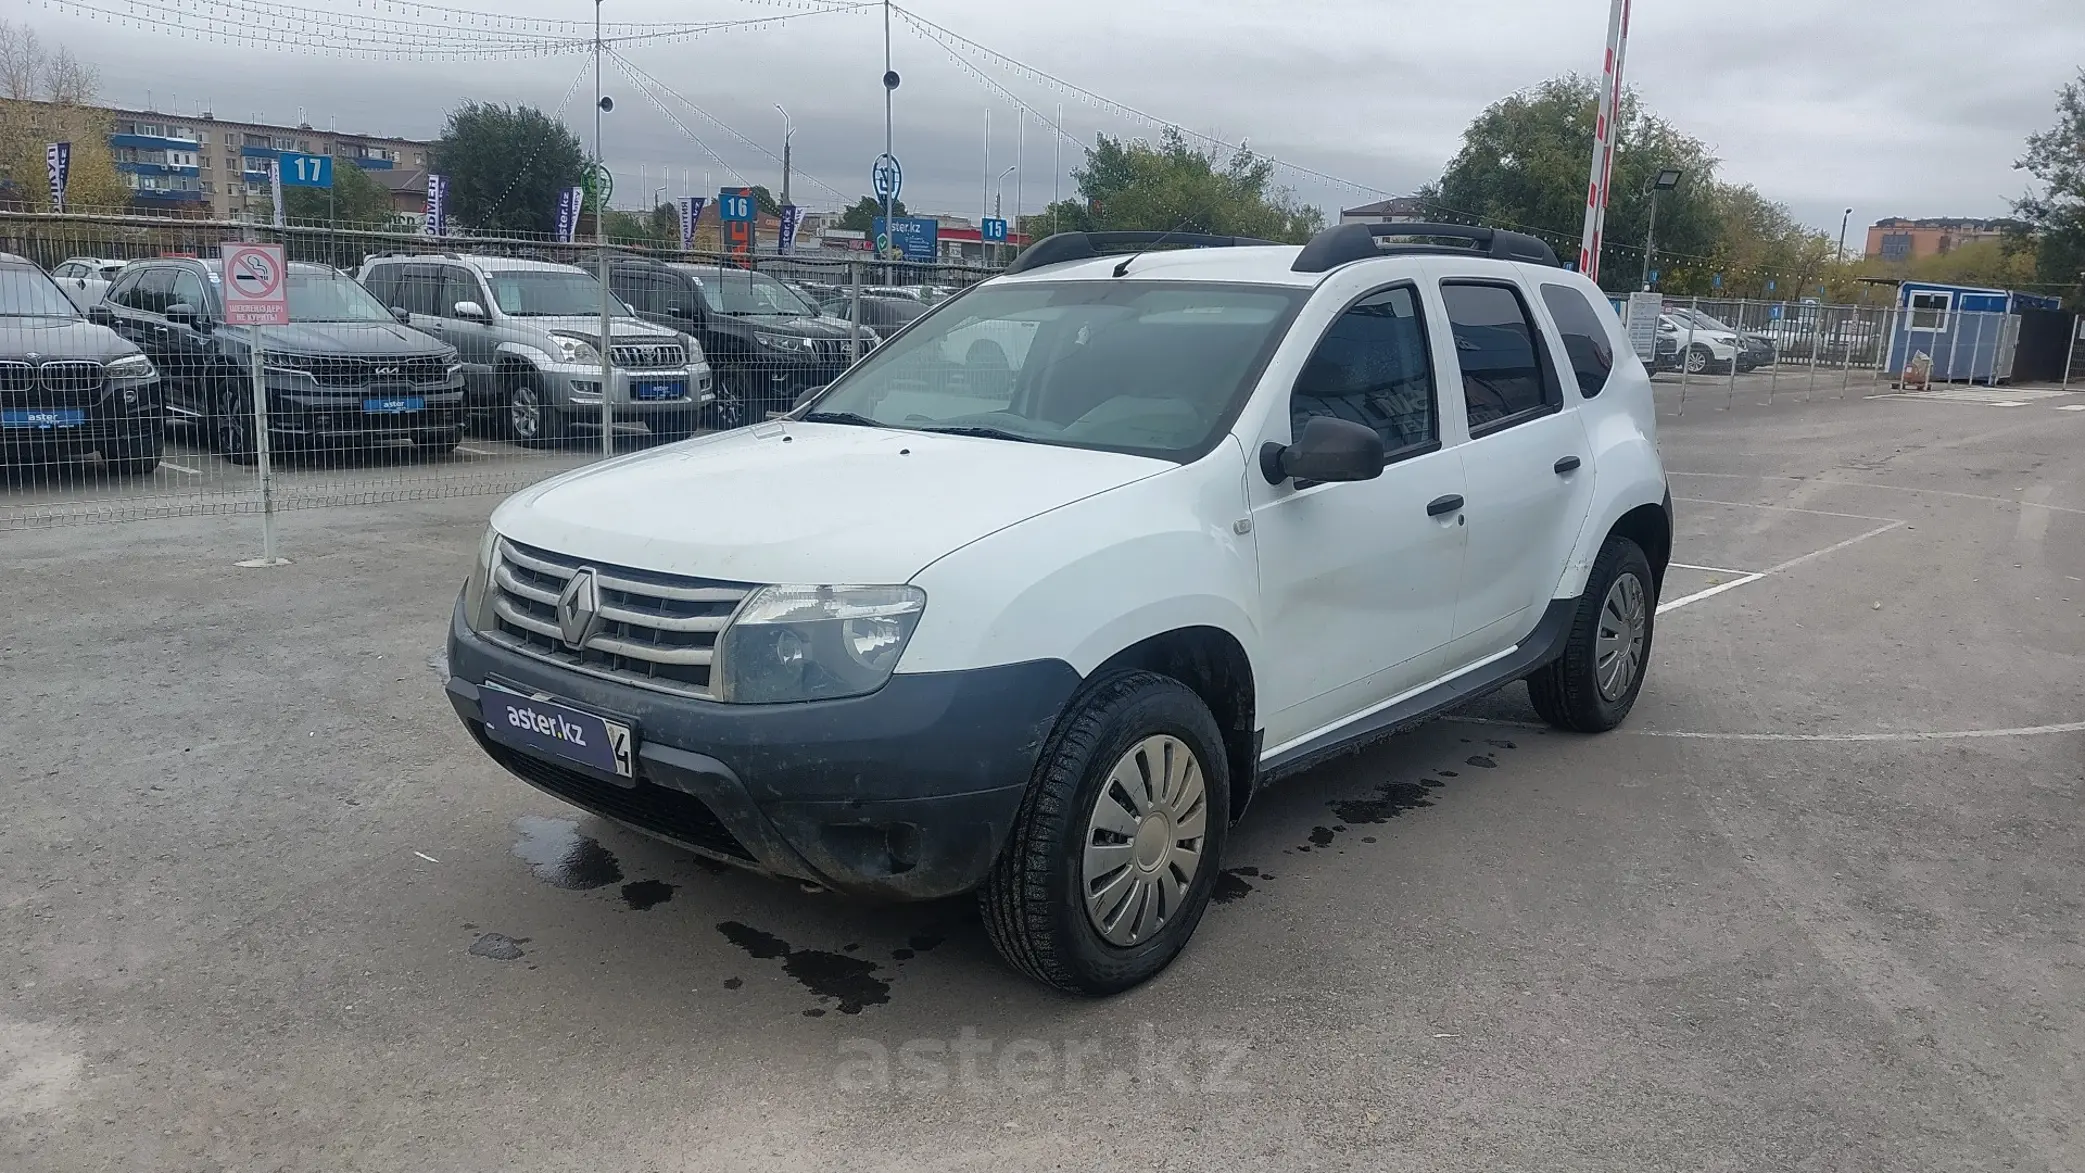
60	383
658	631
648	356
329	371
671	814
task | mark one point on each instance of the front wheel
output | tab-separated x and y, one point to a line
728	409
531	419
1593	685
232	433
1116	848
1698	358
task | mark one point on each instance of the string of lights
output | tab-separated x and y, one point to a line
633	74
522	169
632	69
327	42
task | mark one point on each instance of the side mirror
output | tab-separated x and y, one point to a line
683	313
99	314
181	314
404	315
470	311
1328	450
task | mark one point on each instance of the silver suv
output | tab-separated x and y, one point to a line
529	336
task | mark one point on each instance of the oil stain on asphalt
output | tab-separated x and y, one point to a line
645	895
562	857
849	981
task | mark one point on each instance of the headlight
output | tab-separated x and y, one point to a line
780	341
131	366
576	350
474	592
694	348
806	643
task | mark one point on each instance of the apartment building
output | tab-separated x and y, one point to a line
208	166
1900	239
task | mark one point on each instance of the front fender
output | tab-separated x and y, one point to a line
1088	579
534	356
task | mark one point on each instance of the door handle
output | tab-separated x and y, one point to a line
1566	464
1441	505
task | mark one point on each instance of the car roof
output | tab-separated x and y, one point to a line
216	265
1249	265
477	261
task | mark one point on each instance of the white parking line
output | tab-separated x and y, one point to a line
1780	508
1697	596
165	463
474	451
1710	569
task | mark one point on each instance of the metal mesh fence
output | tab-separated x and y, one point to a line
412	367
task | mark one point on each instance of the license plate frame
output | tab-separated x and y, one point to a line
394	405
43	419
539	724
658	390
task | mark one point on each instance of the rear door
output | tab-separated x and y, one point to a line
1527	461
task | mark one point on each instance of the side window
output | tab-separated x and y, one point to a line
1372	368
458	284
188	291
420	289
1506	373
155	291
382	284
67	269
1586	340
638	290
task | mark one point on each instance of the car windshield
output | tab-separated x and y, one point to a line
26	292
331	297
1700	321
549	293
749	294
1154	369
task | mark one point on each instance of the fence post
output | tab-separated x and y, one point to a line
264	466
2070	356
1976	350
1816	336
1686	350
854	311
1774	376
1846	356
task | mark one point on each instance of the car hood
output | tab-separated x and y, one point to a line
806	503
819	327
60	338
351	339
588	326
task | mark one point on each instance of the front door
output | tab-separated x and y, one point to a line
473	340
1358	580
1528	464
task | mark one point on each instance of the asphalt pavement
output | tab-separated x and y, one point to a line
1815	907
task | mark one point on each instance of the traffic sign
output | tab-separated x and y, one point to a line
598	184
887	177
305	170
255	293
994	230
735	205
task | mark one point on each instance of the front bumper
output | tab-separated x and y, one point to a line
904	794
295	409
127	414
576	387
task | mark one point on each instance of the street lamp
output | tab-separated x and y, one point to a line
996	185
1665	180
1843	222
788	132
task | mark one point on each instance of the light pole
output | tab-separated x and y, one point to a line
1665	180
997	186
788	132
1843	222
602	105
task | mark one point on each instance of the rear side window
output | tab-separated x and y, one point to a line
1371	368
1506	372
1586	340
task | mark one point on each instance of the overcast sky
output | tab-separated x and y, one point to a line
1892	107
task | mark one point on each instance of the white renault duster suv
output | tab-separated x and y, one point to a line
1036	596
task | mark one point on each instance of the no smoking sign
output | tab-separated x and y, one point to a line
255	293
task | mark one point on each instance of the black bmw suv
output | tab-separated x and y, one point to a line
69	387
344	371
765	343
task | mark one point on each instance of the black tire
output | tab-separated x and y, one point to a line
1698	360
1033	899
529	416
1567	692
729	409
231	421
137	456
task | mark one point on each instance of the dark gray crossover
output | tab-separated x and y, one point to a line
69	387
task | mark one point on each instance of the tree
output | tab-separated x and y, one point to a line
1129	185
2053	221
863	215
506	166
47	95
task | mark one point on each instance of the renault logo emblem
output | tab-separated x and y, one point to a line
578	608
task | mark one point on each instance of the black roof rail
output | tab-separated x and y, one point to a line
1357	242
1084	246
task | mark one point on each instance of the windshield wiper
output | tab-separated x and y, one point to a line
843	417
986	433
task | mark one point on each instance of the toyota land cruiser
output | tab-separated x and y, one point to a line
1036	597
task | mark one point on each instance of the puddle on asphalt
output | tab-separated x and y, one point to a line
561	856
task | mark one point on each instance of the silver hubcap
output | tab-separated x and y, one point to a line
1144	841
525	413
1697	361
1618	652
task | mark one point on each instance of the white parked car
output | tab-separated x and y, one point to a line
85	280
1040	624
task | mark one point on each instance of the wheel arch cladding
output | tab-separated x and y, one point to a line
1650	527
1213	665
